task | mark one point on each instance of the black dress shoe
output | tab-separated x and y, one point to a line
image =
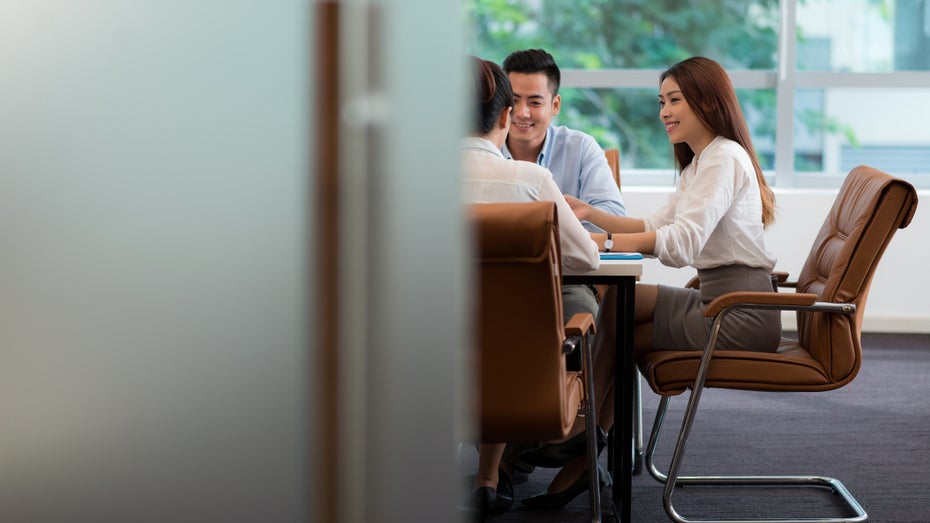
485	501
556	455
557	500
504	492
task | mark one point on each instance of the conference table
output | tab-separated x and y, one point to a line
621	274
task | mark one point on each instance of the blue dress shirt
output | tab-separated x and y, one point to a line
580	169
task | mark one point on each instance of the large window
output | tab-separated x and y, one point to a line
825	84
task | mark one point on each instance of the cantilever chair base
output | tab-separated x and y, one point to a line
831	484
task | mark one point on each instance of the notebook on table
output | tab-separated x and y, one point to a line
621	256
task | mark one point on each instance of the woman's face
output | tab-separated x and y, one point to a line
681	124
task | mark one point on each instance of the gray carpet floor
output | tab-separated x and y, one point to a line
873	435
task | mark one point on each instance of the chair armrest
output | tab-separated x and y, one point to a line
579	324
749	299
773	300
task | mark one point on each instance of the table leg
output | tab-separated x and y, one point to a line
624	401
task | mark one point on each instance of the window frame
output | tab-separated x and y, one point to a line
785	81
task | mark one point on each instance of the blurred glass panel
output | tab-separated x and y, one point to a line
868	36
839	128
634	34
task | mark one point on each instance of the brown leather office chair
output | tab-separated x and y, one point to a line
525	392
830	295
613	160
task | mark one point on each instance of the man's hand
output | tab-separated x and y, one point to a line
581	209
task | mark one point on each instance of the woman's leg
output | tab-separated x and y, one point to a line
643	314
493	491
604	352
489	460
604	358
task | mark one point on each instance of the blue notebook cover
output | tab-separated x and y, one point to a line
621	256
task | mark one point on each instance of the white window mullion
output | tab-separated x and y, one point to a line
784	91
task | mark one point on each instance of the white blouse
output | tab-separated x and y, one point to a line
488	177
714	217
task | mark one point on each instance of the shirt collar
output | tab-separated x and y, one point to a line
544	154
480	144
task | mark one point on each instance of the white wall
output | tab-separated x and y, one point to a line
896	302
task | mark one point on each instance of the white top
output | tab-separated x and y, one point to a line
488	177
714	217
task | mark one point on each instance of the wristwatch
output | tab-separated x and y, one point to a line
608	243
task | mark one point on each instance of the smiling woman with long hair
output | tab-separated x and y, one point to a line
714	221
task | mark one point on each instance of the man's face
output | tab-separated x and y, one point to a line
533	108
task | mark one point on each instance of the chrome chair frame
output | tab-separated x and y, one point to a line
673	478
829	297
590	414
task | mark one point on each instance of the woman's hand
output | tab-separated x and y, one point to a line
581	209
584	211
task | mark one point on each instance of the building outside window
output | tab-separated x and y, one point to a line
825	84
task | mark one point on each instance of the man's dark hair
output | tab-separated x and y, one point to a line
530	61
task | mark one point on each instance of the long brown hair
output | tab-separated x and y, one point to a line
710	94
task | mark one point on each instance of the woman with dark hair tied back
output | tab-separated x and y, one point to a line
493	94
488	177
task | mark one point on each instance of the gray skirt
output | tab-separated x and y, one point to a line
680	325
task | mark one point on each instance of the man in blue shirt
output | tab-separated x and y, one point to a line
576	160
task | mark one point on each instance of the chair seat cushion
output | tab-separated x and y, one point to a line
791	368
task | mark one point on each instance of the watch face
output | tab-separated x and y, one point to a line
608	244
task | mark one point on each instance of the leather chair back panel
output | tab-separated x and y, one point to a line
505	236
520	327
868	210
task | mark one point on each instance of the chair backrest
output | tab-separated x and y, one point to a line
613	160
525	392
870	206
